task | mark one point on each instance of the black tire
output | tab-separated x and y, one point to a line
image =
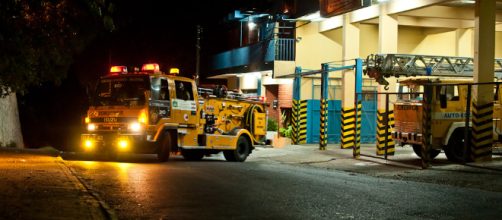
242	151
433	153
455	149
193	155
164	149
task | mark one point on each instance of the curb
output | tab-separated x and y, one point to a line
43	151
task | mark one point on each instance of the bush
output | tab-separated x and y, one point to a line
286	132
272	125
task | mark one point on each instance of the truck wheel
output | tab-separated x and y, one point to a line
164	150
433	153
455	149
192	155
241	152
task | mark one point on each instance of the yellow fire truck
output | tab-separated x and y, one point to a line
448	108
148	111
448	101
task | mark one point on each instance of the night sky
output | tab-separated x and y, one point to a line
147	31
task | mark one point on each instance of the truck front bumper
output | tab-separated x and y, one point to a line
114	142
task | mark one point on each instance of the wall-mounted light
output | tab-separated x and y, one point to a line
251	25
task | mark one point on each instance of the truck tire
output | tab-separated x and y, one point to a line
455	149
433	153
193	155
164	150
241	151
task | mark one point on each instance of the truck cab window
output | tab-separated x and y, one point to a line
184	90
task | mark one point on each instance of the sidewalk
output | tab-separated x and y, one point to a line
405	165
40	187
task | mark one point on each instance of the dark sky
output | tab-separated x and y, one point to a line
162	32
147	31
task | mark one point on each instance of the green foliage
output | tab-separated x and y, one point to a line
286	132
272	124
38	39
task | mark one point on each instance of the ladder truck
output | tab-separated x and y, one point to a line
148	111
449	77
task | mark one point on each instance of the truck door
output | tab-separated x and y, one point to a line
184	103
160	105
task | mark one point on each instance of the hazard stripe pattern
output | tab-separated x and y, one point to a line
381	134
482	132
426	125
324	125
348	124
299	122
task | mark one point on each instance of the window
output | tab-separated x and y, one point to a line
184	90
451	92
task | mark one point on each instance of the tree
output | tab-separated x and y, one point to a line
38	40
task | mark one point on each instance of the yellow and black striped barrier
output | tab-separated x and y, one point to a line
299	122
294	122
381	134
348	124
482	132
426	125
323	142
356	152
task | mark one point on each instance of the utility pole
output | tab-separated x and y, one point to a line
197	54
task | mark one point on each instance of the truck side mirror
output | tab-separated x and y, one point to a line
442	97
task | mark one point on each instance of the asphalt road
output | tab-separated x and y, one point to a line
140	187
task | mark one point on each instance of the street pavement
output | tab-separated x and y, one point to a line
41	185
36	186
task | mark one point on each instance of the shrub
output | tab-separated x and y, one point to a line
286	132
272	125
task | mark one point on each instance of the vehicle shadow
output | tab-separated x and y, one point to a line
131	158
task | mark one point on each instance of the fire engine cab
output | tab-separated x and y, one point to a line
148	111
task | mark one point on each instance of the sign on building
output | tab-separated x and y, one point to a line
330	8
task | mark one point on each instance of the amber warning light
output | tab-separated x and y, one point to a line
118	69
150	67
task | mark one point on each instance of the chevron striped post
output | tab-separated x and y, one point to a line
356	150
323	143
482	131
302	122
295	121
426	125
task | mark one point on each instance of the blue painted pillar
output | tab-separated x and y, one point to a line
356	150
295	136
323	140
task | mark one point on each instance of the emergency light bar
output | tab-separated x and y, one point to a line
150	67
118	69
174	71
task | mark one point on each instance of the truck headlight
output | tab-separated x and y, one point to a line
123	144
91	127
135	127
88	144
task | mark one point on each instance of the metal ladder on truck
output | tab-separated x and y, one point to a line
381	66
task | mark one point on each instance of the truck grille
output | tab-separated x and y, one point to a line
111	127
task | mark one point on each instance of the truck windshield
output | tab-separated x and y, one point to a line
128	91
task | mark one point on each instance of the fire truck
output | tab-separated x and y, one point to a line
448	105
449	77
150	112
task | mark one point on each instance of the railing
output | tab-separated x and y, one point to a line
265	51
285	49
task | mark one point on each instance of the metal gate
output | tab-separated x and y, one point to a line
313	122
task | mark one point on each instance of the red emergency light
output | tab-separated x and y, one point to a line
118	69
150	67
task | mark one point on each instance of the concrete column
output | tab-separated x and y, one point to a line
482	96
350	45
387	43
463	43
